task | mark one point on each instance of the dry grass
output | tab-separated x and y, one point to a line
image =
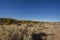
29	30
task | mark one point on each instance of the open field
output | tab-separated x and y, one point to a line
11	29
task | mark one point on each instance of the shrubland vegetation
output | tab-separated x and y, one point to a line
9	21
11	29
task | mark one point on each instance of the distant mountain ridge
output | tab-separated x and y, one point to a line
14	21
11	20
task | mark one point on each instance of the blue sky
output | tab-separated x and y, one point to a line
42	10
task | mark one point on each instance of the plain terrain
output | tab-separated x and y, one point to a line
11	29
